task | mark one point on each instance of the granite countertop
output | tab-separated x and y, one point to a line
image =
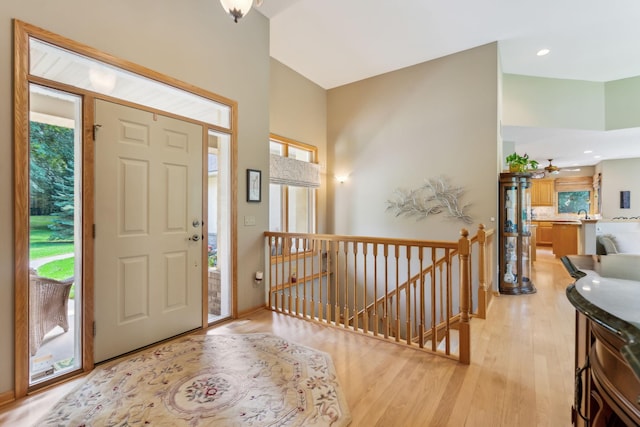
612	303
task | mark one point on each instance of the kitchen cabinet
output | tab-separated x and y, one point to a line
544	233
515	234
542	192
565	239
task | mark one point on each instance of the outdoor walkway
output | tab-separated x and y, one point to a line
35	263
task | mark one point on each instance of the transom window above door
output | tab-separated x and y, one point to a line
57	64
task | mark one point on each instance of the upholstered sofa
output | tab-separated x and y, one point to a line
618	247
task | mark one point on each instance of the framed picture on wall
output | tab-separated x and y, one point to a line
254	185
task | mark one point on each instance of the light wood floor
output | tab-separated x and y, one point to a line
521	372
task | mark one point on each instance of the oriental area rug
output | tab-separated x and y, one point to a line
209	380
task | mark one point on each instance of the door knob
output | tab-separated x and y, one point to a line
194	238
195	223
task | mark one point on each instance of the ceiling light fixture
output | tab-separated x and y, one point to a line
238	8
543	52
588	151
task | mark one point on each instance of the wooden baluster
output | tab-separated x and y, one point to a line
312	306
365	311
276	285
465	289
327	313
408	297
288	279
336	289
298	282
375	290
414	308
275	281
321	251
397	295
444	310
421	291
385	307
269	278
434	331
470	302
345	285
293	276
295	283
482	272
449	288
355	286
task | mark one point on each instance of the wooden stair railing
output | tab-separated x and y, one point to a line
364	313
370	285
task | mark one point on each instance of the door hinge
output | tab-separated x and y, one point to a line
95	129
94	328
93	231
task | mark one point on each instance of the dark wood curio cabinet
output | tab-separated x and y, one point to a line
515	234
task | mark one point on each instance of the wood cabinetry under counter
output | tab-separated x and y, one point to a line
543	232
565	238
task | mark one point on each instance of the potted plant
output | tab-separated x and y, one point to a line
518	163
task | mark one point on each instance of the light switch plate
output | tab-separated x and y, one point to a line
249	220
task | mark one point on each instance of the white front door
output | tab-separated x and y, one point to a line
148	243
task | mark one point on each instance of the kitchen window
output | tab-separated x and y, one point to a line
574	194
573	201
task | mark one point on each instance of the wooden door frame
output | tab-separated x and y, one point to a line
22	33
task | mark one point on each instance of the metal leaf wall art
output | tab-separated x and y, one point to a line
435	196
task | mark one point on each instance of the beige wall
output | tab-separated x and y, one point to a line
398	129
298	110
620	175
195	43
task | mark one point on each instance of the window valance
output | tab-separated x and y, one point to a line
288	171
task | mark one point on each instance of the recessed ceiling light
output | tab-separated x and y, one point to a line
596	157
543	52
588	151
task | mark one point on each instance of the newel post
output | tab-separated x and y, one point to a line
482	272
464	249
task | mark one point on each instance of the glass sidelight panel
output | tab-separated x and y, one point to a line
55	246
219	226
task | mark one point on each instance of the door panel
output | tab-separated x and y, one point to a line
148	273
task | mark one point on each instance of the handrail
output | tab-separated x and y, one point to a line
369	285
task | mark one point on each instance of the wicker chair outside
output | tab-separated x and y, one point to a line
48	302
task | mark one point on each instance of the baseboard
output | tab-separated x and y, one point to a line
251	310
7	397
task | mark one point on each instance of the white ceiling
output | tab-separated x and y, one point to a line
336	42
